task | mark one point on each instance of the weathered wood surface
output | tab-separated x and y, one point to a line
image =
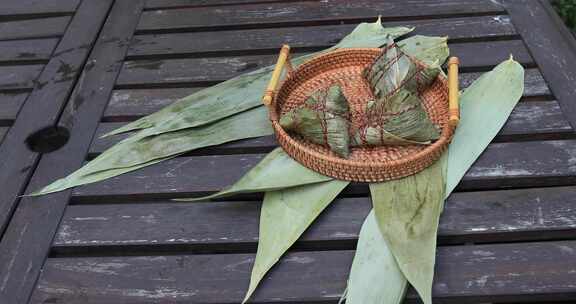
19	76
554	46
529	120
50	91
481	273
28	237
13	8
160	4
10	104
503	165
3	131
314	37
24	51
487	216
123	241
129	104
33	28
151	72
306	13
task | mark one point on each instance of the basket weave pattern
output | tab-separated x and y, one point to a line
365	164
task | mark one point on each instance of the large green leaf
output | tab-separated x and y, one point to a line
493	95
485	107
285	215
181	127
374	277
135	152
372	258
430	50
245	92
275	172
407	211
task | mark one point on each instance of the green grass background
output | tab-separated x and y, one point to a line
567	10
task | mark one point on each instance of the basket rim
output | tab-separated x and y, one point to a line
445	136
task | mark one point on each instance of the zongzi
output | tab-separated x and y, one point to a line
322	119
397	116
400	120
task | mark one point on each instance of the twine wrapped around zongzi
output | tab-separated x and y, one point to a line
397	116
322	119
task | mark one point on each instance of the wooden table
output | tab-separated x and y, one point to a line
507	235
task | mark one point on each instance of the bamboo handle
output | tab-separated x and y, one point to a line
453	92
271	89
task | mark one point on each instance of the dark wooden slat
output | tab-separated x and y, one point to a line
3	131
19	76
299	13
29	234
464	274
527	120
538	117
510	215
33	7
10	104
130	104
534	83
34	28
171	71
502	165
161	4
26	50
553	46
46	101
308	37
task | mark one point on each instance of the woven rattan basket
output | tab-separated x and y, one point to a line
365	164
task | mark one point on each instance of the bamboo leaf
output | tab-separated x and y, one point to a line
375	277
493	95
137	152
407	211
487	102
275	172
244	92
285	215
430	50
175	129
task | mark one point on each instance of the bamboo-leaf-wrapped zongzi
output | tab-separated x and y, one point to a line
398	120
397	116
322	119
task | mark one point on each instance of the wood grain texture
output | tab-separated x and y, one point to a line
537	119
553	46
488	216
306	13
46	101
534	83
33	28
3	131
28	236
162	4
129	104
503	165
37	7
156	72
464	274
19	76
126	105
17	51
312	37
10	104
